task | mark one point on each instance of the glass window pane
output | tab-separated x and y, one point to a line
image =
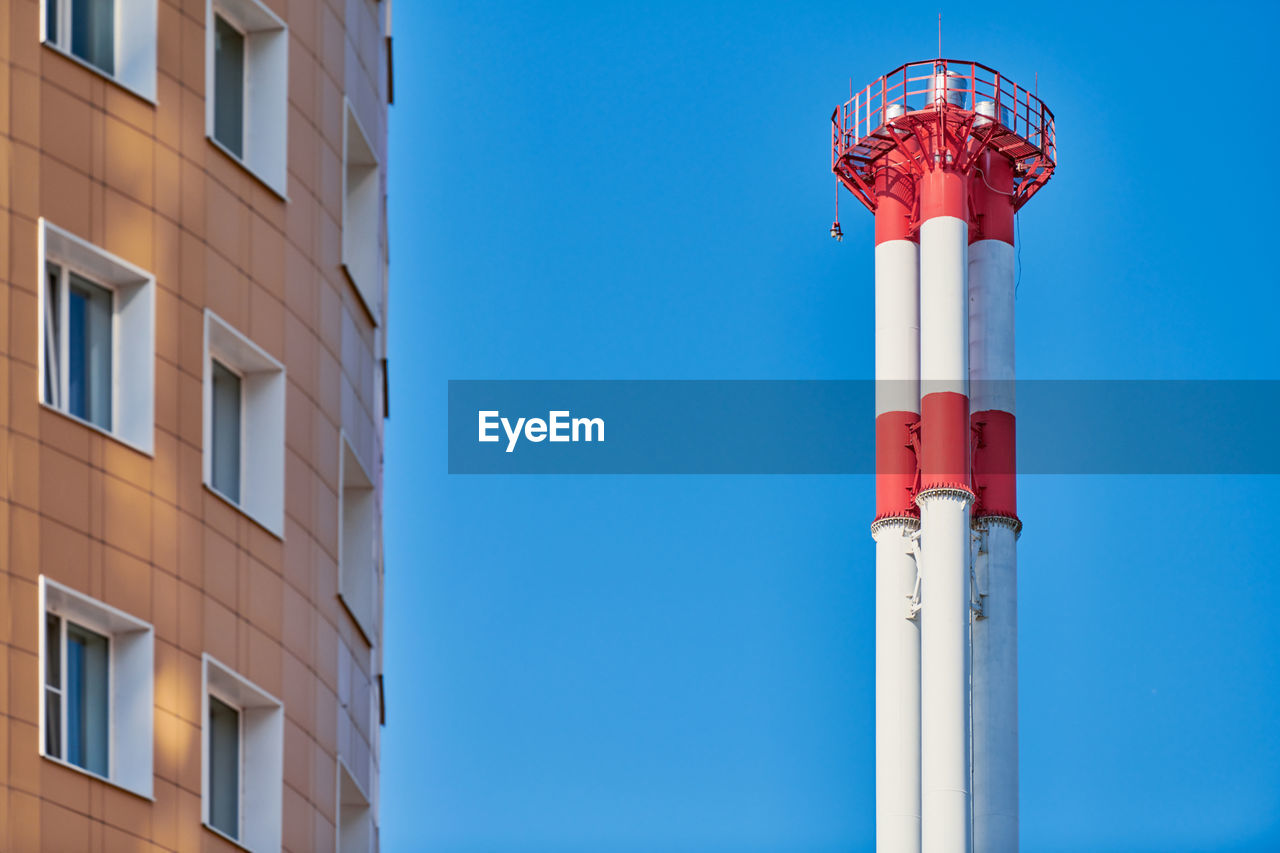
89	351
86	697
228	85
51	21
93	24
52	335
226	432
77	383
224	767
53	651
53	685
53	724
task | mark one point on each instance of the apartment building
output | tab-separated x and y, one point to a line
193	387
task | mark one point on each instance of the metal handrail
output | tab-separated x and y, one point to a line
914	86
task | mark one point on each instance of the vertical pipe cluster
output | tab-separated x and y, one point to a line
897	413
995	628
946	612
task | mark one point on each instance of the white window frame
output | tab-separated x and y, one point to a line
262	404
265	124
133	368
130	684
261	788
133	43
353	794
349	463
362	246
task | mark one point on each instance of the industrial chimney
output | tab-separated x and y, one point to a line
945	153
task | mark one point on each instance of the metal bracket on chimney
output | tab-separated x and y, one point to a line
977	596
913	600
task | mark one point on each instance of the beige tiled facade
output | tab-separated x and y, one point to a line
142	532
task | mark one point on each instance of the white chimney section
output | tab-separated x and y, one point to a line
944	500
995	523
897	393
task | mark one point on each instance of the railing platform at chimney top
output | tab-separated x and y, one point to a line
1016	122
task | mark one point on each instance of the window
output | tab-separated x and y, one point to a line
228	84
357	541
247	71
97	338
355	817
227	425
76	694
362	214
244	394
243	750
96	702
88	26
78	374
116	38
224	767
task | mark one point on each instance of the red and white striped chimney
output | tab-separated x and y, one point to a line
946	150
897	395
996	526
944	499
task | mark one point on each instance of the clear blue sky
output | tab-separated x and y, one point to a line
641	190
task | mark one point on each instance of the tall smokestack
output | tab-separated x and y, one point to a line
995	522
944	152
897	519
944	500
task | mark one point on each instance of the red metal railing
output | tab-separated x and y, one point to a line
919	86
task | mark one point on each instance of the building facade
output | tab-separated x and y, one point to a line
193	325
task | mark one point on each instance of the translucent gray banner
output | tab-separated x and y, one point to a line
828	427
